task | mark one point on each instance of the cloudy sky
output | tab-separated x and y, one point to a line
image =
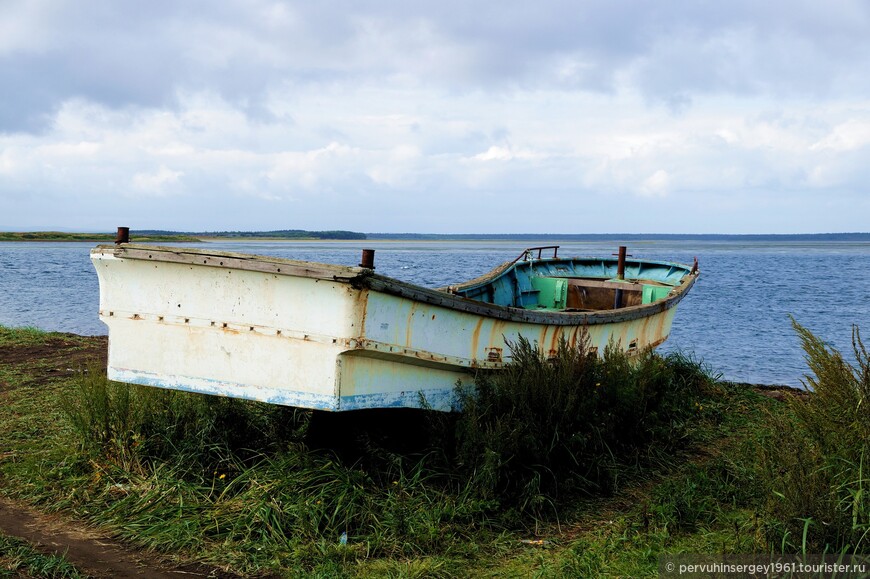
452	116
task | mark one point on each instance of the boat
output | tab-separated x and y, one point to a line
340	338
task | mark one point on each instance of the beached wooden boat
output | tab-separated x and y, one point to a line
344	338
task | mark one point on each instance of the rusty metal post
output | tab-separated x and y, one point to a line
620	275
368	259
123	235
620	263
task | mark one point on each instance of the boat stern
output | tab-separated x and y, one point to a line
215	324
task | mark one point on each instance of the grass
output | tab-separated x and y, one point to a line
547	430
20	559
25	336
571	466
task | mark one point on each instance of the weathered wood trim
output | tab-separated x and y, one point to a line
625	286
230	260
360	277
394	287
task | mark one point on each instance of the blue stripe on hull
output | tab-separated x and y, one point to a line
436	399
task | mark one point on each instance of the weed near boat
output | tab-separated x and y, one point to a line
546	430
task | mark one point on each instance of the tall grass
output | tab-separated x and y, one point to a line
546	429
817	457
182	471
135	424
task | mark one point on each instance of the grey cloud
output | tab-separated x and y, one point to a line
26	101
142	54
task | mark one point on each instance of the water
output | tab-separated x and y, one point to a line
736	318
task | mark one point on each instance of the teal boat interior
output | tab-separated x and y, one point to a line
575	284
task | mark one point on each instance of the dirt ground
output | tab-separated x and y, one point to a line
90	551
58	355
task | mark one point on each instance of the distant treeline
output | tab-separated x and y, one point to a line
276	234
620	236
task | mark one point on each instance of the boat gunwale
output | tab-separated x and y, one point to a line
505	267
242	261
546	317
364	278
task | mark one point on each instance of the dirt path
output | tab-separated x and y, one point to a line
91	552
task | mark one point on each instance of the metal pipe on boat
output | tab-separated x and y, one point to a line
123	235
620	263
368	259
620	275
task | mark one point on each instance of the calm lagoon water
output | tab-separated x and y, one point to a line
735	319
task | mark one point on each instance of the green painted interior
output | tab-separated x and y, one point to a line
652	293
532	284
552	292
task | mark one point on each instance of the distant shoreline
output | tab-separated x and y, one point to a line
620	236
57	236
151	236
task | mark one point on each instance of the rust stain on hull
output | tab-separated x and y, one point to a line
475	338
409	325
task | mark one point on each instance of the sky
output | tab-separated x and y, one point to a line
441	117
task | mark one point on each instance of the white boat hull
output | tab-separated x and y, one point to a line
315	336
